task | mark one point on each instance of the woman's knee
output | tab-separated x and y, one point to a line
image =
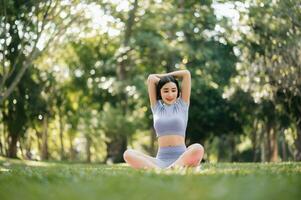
128	154
197	149
196	152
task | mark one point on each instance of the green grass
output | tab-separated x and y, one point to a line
49	180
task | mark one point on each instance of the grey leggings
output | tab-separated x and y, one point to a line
168	155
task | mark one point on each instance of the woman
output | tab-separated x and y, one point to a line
170	113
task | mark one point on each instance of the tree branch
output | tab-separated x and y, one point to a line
27	62
4	49
8	75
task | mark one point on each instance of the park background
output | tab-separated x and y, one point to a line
73	77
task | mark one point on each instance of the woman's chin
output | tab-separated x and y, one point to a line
170	102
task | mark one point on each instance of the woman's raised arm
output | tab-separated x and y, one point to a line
152	82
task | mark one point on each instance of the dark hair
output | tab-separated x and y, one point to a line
163	81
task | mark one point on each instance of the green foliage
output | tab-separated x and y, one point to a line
115	124
269	62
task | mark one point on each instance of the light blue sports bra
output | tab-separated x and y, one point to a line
170	119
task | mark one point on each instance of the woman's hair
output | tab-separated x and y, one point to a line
163	81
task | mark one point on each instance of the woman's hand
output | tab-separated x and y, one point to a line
176	74
153	78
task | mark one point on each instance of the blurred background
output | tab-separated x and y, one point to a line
73	77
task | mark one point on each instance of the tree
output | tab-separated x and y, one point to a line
269	66
27	30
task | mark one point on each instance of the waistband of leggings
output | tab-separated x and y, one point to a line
169	149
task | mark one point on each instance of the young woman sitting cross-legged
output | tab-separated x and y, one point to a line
170	108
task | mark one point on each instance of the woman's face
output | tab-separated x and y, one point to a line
169	93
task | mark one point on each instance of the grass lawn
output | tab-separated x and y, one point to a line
22	180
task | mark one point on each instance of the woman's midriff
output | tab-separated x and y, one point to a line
171	140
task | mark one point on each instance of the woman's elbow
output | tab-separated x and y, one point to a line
187	73
151	78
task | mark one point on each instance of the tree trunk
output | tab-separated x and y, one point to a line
38	134
12	148
298	142
88	148
5	136
71	149
117	146
263	145
231	139
21	148
28	149
7	144
274	145
283	147
44	153
2	136
115	150
62	152
262	152
121	73
268	142
1	147
254	140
